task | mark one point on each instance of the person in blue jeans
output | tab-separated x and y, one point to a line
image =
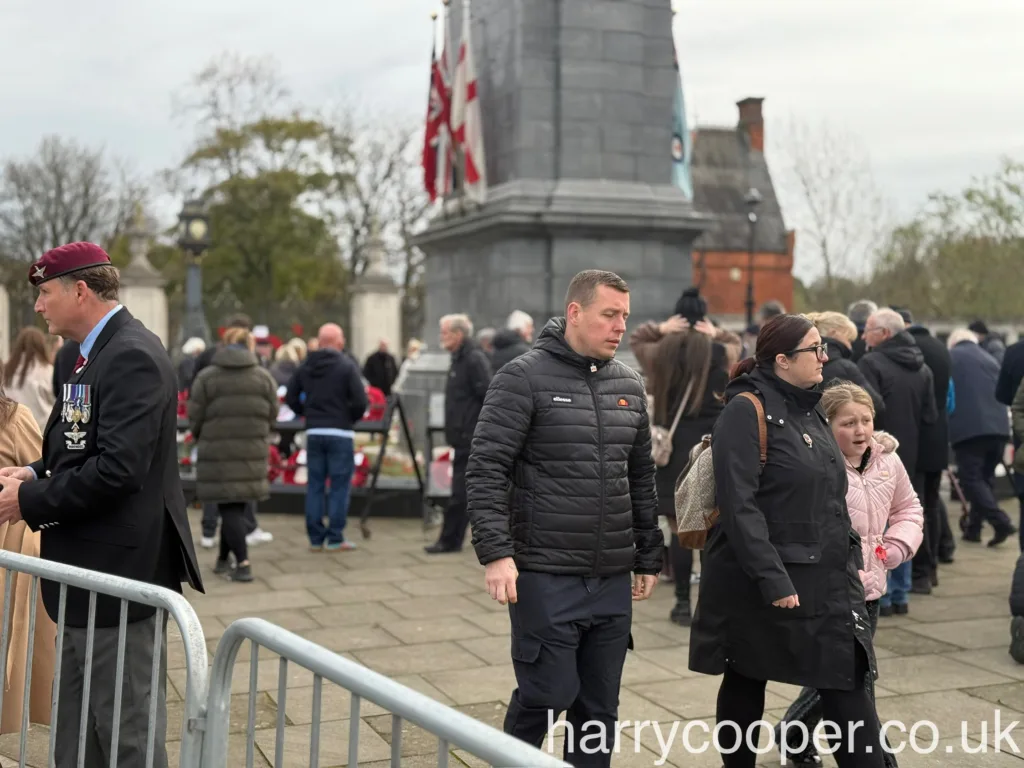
327	391
897	596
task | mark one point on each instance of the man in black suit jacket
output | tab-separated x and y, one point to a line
107	496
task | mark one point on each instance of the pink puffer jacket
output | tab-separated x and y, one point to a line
883	495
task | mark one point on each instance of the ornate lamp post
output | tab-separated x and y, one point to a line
752	199
194	239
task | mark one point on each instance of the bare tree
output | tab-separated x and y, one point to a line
63	193
379	179
827	188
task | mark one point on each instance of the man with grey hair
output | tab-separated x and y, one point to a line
468	378
485	338
513	341
894	365
859	312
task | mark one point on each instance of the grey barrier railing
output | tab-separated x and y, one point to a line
452	728
166	603
207	705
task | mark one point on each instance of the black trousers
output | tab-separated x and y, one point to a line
211	511
976	461
926	560
233	531
682	568
456	514
570	635
809	705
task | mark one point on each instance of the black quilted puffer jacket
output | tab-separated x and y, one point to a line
560	473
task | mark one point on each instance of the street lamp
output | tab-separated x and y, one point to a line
194	239
752	199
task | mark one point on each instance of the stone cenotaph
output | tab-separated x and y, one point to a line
577	106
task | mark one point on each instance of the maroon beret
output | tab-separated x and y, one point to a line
65	259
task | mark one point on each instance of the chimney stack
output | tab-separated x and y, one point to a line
752	121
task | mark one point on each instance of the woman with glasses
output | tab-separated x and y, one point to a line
780	597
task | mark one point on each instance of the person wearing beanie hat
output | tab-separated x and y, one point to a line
691	306
106	496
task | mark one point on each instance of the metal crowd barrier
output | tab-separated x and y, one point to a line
164	600
207	705
453	728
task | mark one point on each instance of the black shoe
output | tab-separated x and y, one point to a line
901	609
946	559
934	578
1001	536
1017	639
222	567
681	613
974	538
885	610
438	549
241	573
921	586
809	755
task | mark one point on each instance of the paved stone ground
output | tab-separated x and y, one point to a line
428	622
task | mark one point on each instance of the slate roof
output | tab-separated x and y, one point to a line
723	170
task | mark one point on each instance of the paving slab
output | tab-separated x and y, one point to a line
427	622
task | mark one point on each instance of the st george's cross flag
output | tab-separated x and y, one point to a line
467	125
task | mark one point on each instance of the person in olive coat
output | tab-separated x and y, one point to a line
232	408
780	594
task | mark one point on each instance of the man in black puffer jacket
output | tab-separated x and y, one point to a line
561	486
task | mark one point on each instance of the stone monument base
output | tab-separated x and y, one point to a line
523	247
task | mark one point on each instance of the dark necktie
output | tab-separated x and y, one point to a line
79	363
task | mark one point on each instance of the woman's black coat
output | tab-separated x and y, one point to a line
783	533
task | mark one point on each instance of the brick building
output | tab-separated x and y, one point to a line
727	162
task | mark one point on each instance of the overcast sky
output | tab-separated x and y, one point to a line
932	90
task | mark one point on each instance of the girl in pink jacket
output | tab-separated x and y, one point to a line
884	507
884	510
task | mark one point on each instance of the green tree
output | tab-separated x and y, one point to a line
964	256
263	168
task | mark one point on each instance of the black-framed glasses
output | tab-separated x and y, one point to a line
820	350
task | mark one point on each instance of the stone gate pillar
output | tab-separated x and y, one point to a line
142	286
376	310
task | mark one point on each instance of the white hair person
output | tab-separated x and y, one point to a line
961	334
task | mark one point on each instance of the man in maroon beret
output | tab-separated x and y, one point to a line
106	496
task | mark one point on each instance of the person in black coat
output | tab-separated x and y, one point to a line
894	365
562	494
468	378
512	341
932	461
780	594
380	369
106	496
